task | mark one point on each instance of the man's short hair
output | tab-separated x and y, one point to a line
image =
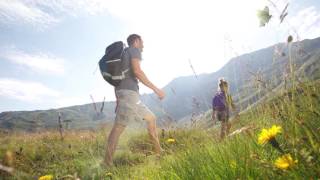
132	38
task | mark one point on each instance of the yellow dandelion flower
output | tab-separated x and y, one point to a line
233	164
171	140
108	174
267	134
285	161
46	177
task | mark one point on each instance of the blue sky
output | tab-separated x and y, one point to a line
49	49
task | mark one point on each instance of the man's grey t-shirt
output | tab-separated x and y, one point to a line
130	82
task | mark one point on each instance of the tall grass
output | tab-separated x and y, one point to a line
240	157
195	154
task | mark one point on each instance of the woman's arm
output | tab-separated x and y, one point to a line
213	115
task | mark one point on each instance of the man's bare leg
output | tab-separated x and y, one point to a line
112	142
152	130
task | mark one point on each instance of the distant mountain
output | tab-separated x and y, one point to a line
74	117
263	68
250	77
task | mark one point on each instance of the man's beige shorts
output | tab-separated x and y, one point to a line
130	108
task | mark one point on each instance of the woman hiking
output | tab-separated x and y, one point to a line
221	104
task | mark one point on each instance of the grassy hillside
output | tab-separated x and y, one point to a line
195	154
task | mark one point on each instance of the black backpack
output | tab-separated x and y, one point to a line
111	64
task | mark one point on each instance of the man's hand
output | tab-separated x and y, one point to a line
135	63
160	93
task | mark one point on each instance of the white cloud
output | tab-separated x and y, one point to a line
71	7
39	94
27	91
307	22
21	12
45	13
39	62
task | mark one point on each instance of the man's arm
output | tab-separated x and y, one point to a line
117	101
135	63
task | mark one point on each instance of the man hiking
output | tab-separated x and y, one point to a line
221	104
129	105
